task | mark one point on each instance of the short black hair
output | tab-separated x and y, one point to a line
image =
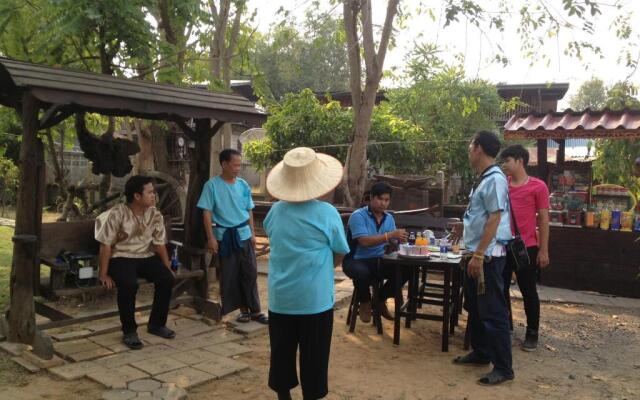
380	188
517	152
227	154
488	141
134	185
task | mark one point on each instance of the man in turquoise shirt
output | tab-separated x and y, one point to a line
307	241
487	230
226	202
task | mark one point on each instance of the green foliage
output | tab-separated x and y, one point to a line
301	120
9	177
592	94
448	108
313	57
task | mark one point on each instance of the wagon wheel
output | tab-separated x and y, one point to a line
171	198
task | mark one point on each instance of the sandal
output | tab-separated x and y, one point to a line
243	317
132	341
494	378
260	318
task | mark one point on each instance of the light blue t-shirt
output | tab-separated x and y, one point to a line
491	195
230	204
363	223
303	238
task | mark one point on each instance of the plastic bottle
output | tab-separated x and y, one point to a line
175	263
443	248
412	238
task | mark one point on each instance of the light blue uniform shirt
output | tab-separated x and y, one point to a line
363	223
230	204
303	238
490	196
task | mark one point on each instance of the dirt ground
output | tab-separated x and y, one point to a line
585	352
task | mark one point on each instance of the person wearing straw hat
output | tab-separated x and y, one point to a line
307	240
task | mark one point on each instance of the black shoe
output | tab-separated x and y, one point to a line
530	342
494	378
162	331
472	358
132	341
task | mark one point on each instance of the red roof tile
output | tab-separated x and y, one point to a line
574	124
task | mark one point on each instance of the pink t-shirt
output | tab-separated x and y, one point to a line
526	200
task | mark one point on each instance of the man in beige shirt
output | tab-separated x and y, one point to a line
132	245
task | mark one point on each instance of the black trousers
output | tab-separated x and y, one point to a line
239	280
363	271
489	317
125	273
527	278
312	334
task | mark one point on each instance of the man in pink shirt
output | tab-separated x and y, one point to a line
530	205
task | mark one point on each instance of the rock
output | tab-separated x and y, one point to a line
42	346
571	376
144	385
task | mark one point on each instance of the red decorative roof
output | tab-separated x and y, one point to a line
606	123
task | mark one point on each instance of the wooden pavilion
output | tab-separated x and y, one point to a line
45	96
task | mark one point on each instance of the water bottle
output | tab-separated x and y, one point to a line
175	263
443	248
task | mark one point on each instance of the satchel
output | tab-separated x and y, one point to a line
516	246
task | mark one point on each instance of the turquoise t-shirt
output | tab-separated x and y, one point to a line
303	238
230	204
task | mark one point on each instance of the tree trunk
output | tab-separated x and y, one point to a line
145	156
22	324
363	100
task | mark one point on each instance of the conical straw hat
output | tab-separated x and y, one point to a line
304	175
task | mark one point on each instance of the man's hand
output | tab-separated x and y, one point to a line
474	267
399	234
107	282
212	245
543	259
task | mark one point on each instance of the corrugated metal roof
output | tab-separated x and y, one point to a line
118	95
574	124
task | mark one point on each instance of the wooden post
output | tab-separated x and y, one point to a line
542	159
561	151
22	322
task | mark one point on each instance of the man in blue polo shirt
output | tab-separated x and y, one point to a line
371	228
487	230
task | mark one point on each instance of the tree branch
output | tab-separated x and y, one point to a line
392	10
367	37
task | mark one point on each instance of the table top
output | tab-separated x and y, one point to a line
434	259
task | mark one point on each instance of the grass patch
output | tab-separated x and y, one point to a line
6	252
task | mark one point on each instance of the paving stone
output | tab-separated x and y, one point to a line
28	365
228	349
152	339
221	367
144	385
15	349
90	354
184	311
119	394
74	371
117	378
73	335
156	366
193	331
107	338
40	362
157	351
186	377
250	329
171	393
105	327
144	395
191	343
121	359
75	346
195	356
117	347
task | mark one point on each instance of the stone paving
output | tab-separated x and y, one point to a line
163	369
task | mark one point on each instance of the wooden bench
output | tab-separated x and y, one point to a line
78	236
